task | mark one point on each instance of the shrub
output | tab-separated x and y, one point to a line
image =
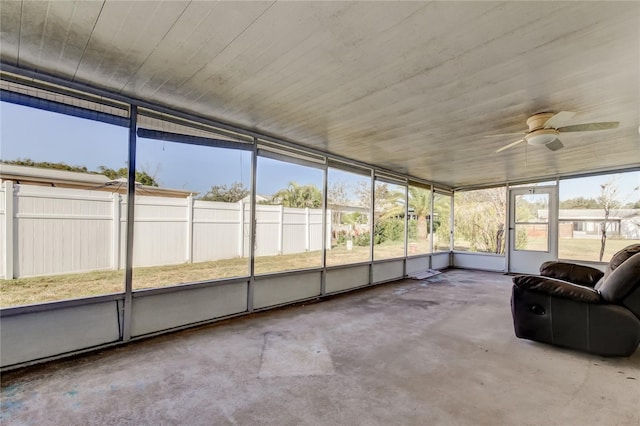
391	229
362	240
341	237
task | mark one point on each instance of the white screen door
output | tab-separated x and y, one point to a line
532	228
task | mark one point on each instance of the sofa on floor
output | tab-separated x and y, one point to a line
580	307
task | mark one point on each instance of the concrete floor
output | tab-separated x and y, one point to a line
438	351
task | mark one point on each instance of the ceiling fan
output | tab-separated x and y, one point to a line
544	130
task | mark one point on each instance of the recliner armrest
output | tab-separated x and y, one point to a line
557	288
571	272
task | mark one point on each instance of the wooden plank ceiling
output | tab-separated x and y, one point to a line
409	86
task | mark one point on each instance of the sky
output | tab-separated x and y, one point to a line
589	187
46	136
80	142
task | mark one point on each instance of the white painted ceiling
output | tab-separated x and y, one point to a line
408	86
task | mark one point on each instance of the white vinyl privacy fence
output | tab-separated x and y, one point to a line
47	230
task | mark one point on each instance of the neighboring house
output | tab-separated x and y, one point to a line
342	208
260	199
77	180
351	229
584	223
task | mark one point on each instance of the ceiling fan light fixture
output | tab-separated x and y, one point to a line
541	137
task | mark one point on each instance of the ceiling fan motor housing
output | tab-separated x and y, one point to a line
537	121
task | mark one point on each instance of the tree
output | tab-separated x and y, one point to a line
299	196
387	202
232	194
420	202
480	219
337	193
607	201
441	222
354	218
389	212
47	165
337	198
579	203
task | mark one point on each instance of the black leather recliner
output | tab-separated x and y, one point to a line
580	307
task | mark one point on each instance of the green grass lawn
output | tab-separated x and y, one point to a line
589	249
585	249
24	291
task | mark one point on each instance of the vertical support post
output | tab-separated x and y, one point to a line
372	211
240	229
451	230
281	230
131	195
307	230
252	221
9	243
323	276
329	229
507	227
189	229
433	199
554	219
406	229
115	232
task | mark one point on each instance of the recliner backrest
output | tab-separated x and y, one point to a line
622	281
622	255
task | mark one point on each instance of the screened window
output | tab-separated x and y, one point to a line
598	216
419	221
441	222
192	208
349	211
532	222
389	220
61	210
289	213
480	220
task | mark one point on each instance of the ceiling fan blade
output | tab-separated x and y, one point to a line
504	135
590	126
558	119
555	145
510	145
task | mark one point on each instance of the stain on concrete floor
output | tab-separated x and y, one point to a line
287	354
